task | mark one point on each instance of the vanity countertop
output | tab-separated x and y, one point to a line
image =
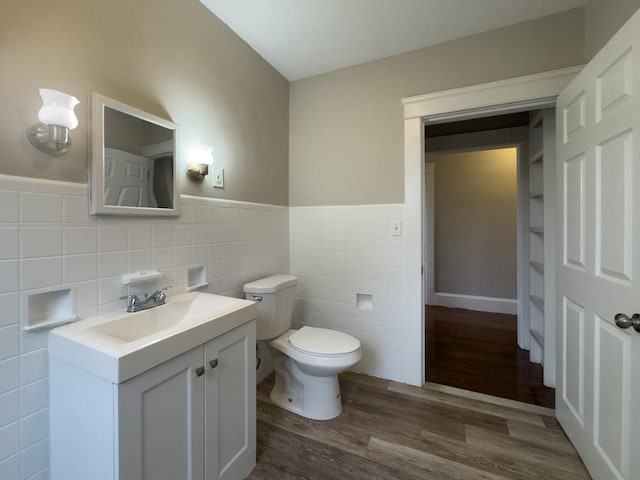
120	345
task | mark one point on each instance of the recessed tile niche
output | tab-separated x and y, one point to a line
196	277
49	309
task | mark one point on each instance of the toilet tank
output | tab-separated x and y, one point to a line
274	298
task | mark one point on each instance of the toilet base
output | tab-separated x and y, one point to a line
313	397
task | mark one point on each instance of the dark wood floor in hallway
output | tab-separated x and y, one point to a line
478	351
391	431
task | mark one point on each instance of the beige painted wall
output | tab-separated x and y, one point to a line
346	128
475	222
603	18
172	58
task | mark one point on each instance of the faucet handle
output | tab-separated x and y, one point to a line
159	294
132	301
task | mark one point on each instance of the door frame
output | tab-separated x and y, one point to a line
428	235
512	95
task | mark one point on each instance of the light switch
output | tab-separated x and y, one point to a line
218	177
396	229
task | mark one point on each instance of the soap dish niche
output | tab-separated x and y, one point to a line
196	277
141	277
364	301
49	309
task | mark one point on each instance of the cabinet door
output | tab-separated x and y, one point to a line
230	404
160	421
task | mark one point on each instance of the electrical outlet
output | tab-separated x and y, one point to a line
218	177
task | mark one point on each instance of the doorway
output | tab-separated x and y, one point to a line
507	96
476	171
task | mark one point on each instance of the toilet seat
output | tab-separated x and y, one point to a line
323	342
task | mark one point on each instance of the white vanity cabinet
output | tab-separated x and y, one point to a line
191	417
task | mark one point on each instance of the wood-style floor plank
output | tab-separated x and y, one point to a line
424	464
389	431
541	436
492	460
469	404
411	414
525	451
282	454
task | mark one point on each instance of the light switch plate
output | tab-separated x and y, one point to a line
218	177
396	229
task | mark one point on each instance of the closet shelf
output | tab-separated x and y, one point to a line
536	194
536	121
539	266
537	337
537	156
537	301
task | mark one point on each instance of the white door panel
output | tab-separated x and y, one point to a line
611	412
574	209
573	118
613	190
127	179
573	359
598	116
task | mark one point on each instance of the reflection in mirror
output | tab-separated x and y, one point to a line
133	164
138	158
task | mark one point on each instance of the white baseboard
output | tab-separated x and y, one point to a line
472	302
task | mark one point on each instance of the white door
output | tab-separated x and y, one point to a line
598	168
127	179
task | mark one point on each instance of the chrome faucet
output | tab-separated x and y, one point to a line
155	299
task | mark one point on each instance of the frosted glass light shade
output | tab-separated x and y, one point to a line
56	116
57	109
202	154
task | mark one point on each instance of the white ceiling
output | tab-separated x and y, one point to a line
302	38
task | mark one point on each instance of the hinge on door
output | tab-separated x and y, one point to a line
421	269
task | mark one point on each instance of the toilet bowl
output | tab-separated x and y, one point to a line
306	361
307	370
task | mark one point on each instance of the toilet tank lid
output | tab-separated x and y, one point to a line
270	284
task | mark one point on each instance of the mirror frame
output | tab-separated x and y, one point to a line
96	164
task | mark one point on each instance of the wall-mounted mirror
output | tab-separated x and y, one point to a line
133	161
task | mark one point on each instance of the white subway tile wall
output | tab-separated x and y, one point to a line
48	239
338	252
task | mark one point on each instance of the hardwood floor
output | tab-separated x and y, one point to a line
390	431
478	351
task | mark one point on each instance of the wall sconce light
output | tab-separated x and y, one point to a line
199	160
51	136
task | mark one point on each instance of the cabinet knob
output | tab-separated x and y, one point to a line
213	363
199	371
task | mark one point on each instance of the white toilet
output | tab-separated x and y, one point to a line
306	361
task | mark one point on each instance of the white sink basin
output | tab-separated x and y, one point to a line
125	330
119	346
128	327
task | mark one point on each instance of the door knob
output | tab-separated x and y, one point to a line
199	371
213	363
623	321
